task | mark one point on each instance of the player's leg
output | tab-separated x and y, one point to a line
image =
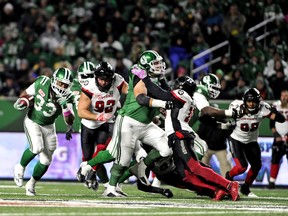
207	157
237	151
34	136
126	132
200	147
45	158
277	154
225	165
253	154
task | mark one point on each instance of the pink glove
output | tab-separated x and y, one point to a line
103	117
139	72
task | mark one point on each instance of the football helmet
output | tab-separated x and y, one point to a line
104	71
85	70
152	62
185	83
63	75
212	83
252	95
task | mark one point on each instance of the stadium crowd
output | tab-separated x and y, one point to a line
39	36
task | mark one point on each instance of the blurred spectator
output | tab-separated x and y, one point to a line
253	68
271	9
10	87
73	46
278	82
51	38
268	70
238	91
8	14
215	37
263	86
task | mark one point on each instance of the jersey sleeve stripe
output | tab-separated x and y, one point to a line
177	97
87	92
120	86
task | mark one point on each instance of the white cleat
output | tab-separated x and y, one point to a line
18	175
111	192
85	168
156	182
120	191
30	189
252	195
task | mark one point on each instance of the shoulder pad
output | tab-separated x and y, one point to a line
202	90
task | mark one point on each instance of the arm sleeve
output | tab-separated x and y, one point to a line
272	123
174	117
157	91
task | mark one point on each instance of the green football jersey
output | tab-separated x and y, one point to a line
134	110
46	108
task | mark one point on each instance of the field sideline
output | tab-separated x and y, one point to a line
72	198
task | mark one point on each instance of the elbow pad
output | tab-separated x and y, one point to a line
279	117
143	99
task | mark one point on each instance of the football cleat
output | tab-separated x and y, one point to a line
245	190
271	185
228	177
91	181
219	195
156	182
18	174
167	193
142	173
111	192
79	176
233	188
120	191
30	189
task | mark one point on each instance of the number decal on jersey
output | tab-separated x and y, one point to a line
50	107
246	127
190	114
100	106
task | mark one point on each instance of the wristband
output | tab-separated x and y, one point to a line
158	103
228	113
66	112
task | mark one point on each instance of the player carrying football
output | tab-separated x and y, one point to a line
51	98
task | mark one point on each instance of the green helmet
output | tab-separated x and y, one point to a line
85	70
63	75
152	62
212	83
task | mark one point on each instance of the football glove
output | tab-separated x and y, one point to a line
69	132
139	72
62	101
169	105
103	117
19	106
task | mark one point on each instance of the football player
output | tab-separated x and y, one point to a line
52	97
183	169
97	105
280	132
243	140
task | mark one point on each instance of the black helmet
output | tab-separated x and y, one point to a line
252	95
104	71
185	83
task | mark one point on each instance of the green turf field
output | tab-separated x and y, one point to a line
72	198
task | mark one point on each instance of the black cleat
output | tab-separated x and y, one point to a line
91	180
79	176
228	177
167	193
245	189
271	185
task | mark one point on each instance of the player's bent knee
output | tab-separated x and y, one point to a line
37	150
45	160
166	152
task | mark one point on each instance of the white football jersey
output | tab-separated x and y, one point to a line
247	127
103	102
200	101
281	128
185	113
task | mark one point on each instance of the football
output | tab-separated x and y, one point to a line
27	100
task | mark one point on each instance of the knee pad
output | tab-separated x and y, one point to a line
45	160
37	149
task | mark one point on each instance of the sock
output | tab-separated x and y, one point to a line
27	156
116	172
102	157
127	173
151	157
274	170
39	171
102	173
